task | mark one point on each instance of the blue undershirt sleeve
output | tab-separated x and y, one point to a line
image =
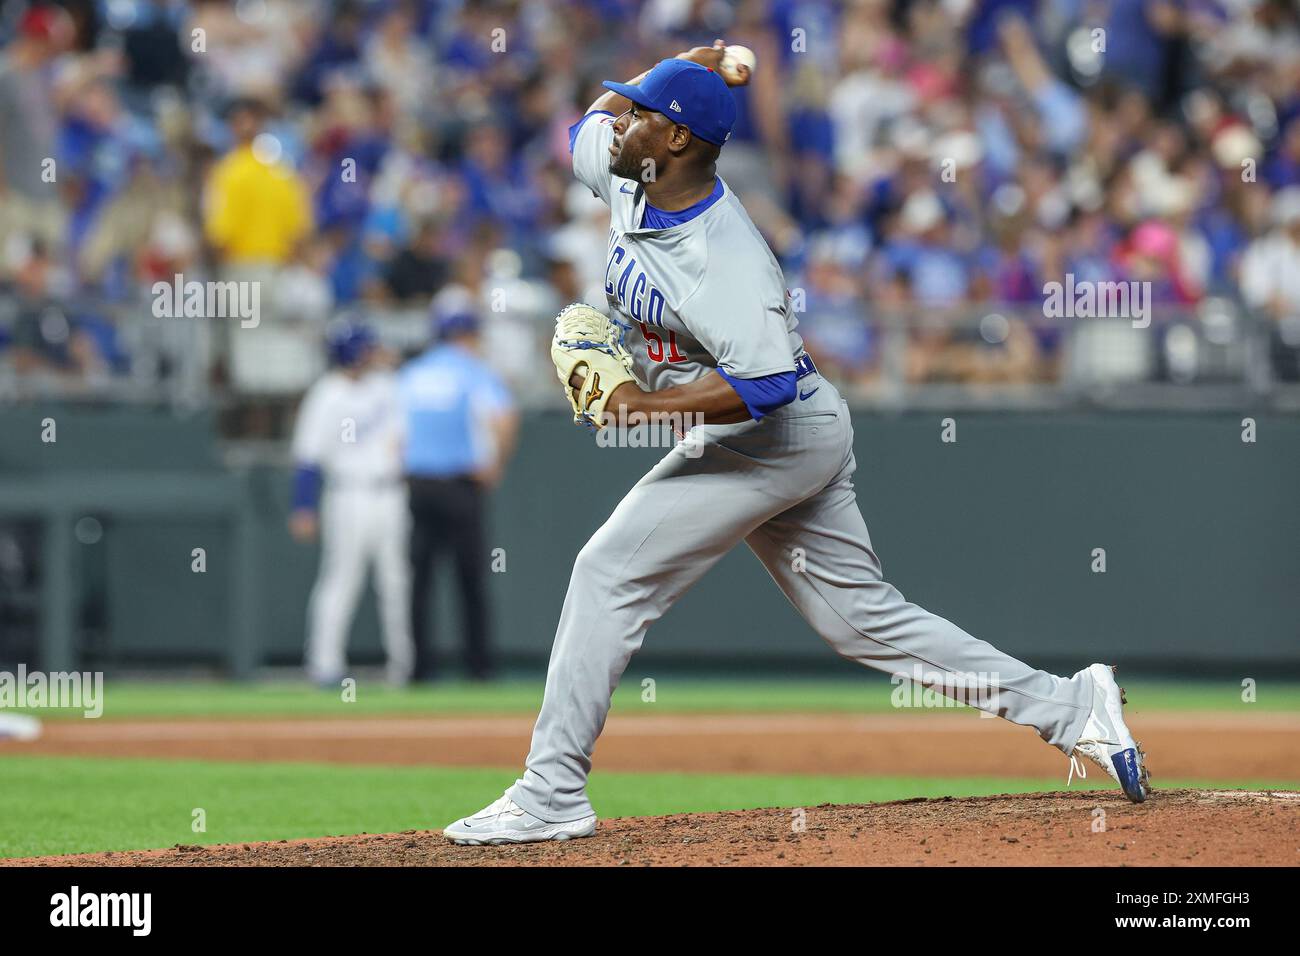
306	488
765	394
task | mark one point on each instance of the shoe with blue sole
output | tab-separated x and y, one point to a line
1106	740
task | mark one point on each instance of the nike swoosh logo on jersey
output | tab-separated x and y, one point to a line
804	396
624	189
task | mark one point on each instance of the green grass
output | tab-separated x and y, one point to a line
54	805
683	695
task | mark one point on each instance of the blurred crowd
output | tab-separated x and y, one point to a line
909	161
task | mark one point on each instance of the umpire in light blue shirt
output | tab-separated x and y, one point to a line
461	425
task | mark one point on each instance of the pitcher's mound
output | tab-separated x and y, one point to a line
1174	827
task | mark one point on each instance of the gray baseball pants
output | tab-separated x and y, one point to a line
781	485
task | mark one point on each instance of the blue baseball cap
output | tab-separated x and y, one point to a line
686	93
454	311
349	341
454	324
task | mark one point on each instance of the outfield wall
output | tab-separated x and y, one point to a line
996	531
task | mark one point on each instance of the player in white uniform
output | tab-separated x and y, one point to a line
710	329
349	436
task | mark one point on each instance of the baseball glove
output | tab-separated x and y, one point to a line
587	342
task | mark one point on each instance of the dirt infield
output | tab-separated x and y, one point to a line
1175	827
1193	746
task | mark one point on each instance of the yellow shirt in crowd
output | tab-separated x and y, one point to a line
255	211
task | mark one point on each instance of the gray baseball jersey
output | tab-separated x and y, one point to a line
704	294
710	289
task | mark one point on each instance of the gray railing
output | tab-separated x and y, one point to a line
1217	355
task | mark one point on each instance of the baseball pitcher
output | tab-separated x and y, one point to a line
703	326
348	437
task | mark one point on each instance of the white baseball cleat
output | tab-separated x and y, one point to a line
507	822
1106	739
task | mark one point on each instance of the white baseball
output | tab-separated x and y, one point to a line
734	57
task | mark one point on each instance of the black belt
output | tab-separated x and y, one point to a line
431	480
